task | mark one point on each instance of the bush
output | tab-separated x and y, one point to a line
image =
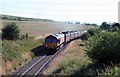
10	31
89	33
85	36
105	47
92	32
23	37
105	26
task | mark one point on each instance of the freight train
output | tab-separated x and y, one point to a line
55	41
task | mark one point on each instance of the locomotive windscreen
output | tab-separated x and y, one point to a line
51	39
47	40
54	40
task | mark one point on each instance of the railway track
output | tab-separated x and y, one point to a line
37	66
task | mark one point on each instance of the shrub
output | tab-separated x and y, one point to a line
23	37
105	47
10	31
105	26
92	32
85	36
89	33
116	25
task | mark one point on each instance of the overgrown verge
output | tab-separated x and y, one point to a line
102	46
74	59
104	51
17	52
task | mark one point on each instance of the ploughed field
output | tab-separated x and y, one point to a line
41	28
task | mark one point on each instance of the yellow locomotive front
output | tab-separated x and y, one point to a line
50	42
54	41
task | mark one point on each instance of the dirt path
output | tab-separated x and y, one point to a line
41	36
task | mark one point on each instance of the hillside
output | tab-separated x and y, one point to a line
40	27
18	18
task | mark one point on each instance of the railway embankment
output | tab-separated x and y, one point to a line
72	59
17	53
97	55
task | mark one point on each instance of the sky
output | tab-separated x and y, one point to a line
91	11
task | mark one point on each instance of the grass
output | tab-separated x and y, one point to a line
16	53
76	62
74	59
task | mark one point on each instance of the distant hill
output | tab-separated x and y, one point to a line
81	23
18	18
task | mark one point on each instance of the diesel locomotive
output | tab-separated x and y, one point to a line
55	41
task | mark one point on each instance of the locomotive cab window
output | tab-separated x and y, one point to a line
54	40
47	40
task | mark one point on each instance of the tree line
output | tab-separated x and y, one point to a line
103	43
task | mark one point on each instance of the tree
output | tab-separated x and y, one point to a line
94	31
77	23
85	36
19	19
105	26
10	31
94	24
91	32
116	25
105	47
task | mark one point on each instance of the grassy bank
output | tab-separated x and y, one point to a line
76	62
17	53
101	55
69	61
74	59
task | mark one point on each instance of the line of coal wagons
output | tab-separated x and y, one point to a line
55	41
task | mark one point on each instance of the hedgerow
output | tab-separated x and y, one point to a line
104	47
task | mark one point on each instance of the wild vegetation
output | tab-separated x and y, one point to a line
16	48
17	41
10	31
17	53
72	60
102	47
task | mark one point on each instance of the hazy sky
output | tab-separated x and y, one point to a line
63	10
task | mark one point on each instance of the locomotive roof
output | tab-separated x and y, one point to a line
59	35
